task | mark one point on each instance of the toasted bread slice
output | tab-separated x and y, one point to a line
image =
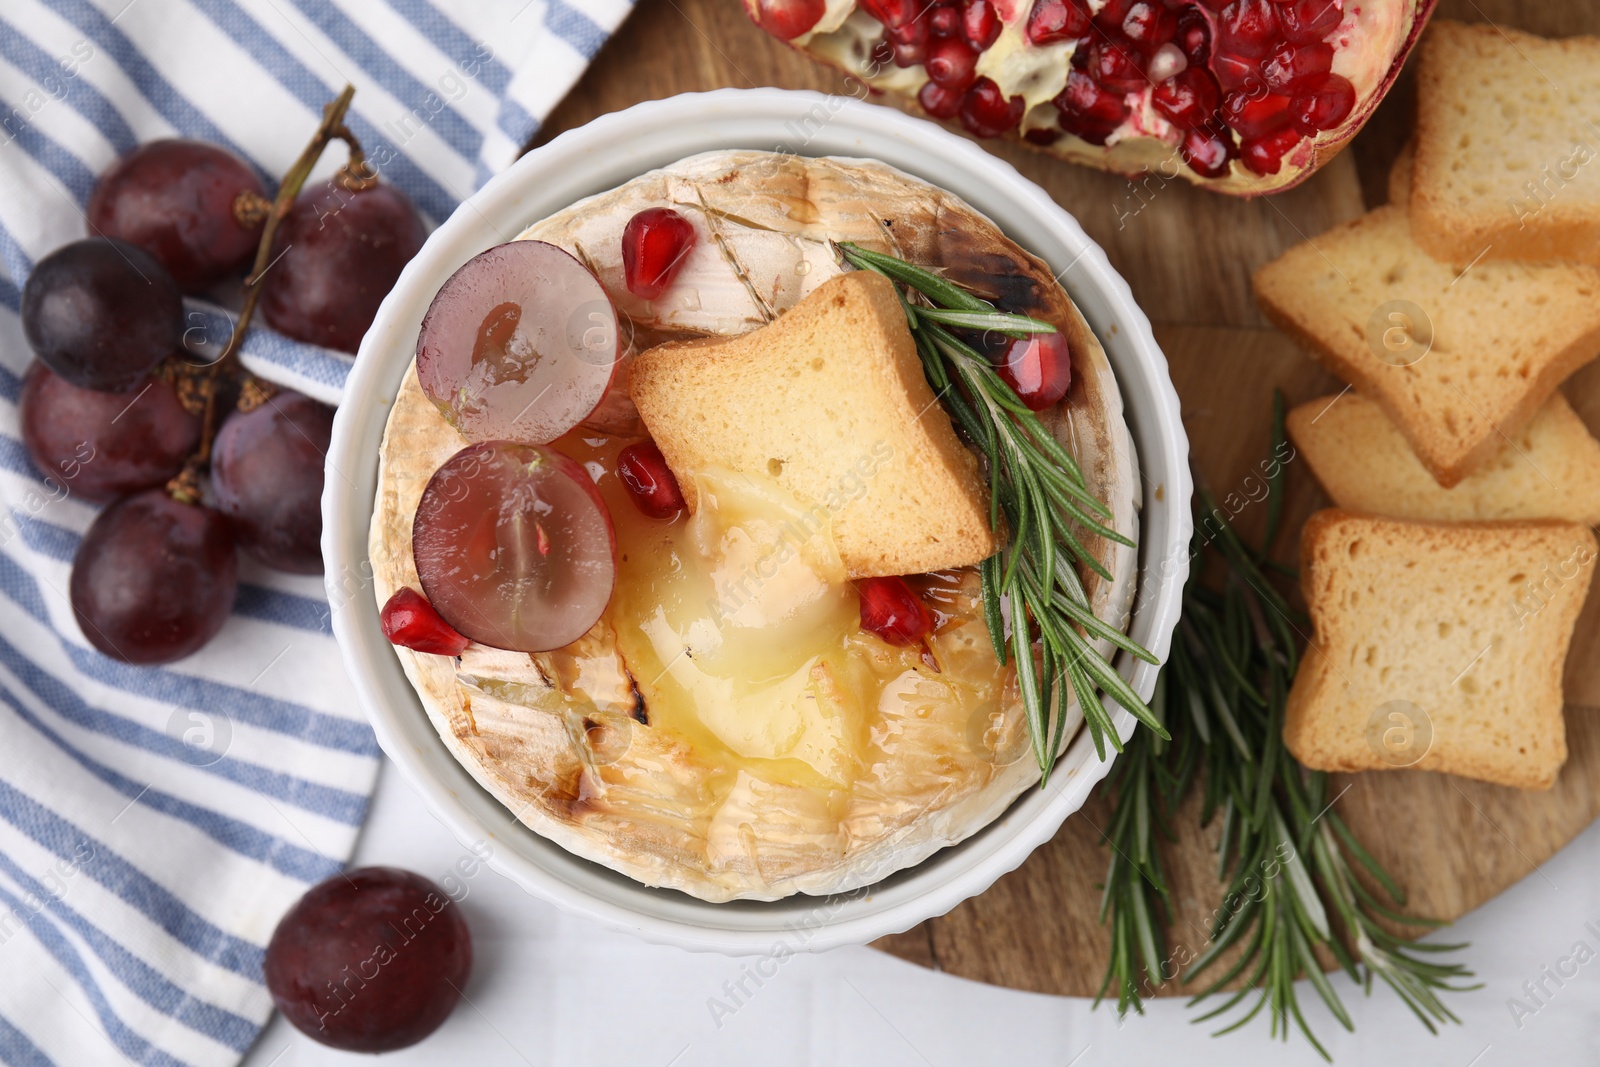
1400	174
1506	163
1550	470
1437	646
1367	300
831	401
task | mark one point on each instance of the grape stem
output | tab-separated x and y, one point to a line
186	486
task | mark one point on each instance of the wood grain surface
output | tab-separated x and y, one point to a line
1188	255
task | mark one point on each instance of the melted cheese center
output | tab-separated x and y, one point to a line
742	634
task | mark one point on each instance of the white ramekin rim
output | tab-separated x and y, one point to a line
599	156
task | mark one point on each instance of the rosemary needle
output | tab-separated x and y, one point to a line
1031	589
1284	855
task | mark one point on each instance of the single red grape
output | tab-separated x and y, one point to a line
101	313
336	256
153	579
371	960
267	471
102	445
175	199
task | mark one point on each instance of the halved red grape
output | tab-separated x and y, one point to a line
101	313
267	470
102	445
520	344
335	257
370	960
514	546
153	579
175	199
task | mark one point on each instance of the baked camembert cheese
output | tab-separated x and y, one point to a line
728	727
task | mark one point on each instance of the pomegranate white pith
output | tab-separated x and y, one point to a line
1243	96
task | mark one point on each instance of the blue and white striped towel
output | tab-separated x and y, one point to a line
155	823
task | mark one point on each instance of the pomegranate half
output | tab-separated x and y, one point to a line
1242	96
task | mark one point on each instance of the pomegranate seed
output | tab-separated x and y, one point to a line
909	55
1264	155
882	55
1255	116
890	609
910	42
788	19
1057	20
1116	67
1324	108
1247	28
409	620
1193	35
1168	62
986	111
945	21
1305	21
654	244
1110	17
913	32
1207	152
1215	5
1145	24
952	63
1087	110
893	13
643	469
1038	369
979	23
1188	99
1295	68
938	101
1238	73
1041	135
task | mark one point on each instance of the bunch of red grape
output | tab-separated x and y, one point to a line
114	411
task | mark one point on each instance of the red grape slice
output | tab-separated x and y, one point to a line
514	546
520	344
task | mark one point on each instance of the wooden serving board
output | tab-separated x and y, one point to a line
1188	254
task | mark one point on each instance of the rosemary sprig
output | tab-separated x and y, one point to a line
1284	852
1031	587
